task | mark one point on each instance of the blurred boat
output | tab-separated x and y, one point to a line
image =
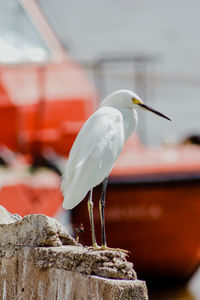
153	210
25	192
45	97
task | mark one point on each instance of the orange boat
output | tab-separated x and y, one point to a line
45	98
153	210
24	193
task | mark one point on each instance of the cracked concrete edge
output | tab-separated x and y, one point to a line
21	279
48	235
81	260
34	246
75	259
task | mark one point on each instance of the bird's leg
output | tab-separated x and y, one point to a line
91	217
102	215
102	218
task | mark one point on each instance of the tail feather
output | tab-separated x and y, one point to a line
73	193
67	204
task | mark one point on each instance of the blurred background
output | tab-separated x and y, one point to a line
153	40
58	59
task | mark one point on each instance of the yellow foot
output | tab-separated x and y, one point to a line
104	247
94	247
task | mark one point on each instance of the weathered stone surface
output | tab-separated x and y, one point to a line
34	230
40	260
21	279
106	264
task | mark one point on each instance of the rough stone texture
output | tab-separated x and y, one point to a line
21	279
106	264
34	230
35	265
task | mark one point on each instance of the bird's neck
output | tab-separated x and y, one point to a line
130	119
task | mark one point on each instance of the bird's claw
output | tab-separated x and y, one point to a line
95	247
114	249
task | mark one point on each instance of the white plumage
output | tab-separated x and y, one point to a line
96	148
98	145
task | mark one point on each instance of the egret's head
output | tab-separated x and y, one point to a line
129	99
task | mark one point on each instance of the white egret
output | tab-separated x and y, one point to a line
95	150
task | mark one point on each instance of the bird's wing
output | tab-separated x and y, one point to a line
93	154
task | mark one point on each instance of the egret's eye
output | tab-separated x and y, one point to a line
133	100
136	101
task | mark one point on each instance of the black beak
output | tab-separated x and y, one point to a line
153	111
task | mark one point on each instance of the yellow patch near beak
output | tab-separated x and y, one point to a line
137	101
